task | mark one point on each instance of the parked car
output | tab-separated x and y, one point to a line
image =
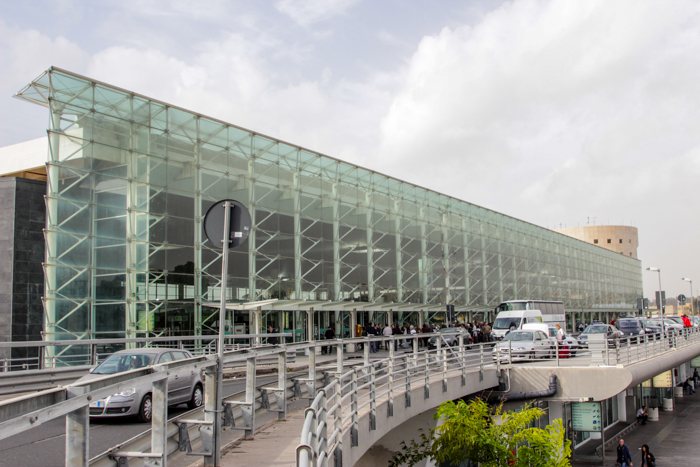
652	328
672	328
609	330
450	340
525	345
631	327
184	385
569	341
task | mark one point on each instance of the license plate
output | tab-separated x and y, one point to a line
98	404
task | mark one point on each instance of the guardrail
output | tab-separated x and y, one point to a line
97	350
335	411
348	389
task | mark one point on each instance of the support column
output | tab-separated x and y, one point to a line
484	281
353	326
296	199
390	317
370	247
255	318
423	272
252	266
336	242
465	253
397	247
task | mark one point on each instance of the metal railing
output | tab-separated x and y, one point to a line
335	411
93	351
339	393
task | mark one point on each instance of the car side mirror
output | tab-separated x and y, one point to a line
92	369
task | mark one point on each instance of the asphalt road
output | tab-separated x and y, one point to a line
44	446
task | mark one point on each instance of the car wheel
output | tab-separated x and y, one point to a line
146	409
197	398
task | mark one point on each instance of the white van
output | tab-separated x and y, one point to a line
507	320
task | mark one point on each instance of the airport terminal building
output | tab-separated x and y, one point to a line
129	179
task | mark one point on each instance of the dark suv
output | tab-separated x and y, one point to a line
631	327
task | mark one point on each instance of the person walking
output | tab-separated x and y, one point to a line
388	332
648	459
271	340
329	335
372	332
624	456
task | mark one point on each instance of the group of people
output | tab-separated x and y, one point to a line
624	456
479	332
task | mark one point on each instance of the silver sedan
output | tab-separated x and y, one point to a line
184	385
525	345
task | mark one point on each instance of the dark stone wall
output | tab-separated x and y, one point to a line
22	220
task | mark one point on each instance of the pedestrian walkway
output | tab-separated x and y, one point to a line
674	439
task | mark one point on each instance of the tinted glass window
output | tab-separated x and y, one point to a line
179	355
519	336
122	362
166	357
628	323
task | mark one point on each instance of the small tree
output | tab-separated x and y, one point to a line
469	432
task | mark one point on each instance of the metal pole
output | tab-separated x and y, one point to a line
225	241
661	306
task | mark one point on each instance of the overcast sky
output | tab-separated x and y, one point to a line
554	112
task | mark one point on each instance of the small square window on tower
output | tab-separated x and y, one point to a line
595	241
620	240
609	240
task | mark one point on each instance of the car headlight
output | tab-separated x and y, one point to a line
126	392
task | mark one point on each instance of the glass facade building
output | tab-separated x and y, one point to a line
130	179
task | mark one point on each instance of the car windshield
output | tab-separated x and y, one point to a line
596	330
506	323
628	323
123	362
519	336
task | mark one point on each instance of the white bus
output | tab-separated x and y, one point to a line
552	312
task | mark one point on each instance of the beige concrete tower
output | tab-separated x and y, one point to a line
622	239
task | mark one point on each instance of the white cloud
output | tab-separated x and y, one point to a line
307	12
555	111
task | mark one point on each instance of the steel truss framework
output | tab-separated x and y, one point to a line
130	179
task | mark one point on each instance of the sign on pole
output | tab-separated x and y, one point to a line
681	299
664	380
227	224
586	416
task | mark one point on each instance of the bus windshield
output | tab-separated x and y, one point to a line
512	306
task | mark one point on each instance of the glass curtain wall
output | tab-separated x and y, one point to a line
130	179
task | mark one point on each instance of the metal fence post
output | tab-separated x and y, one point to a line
556	343
339	356
159	419
323	428
408	382
249	408
372	398
281	393
481	367
355	429
211	412
338	418
390	384
462	359
77	432
311	382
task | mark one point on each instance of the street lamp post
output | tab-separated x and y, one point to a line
660	306
692	303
